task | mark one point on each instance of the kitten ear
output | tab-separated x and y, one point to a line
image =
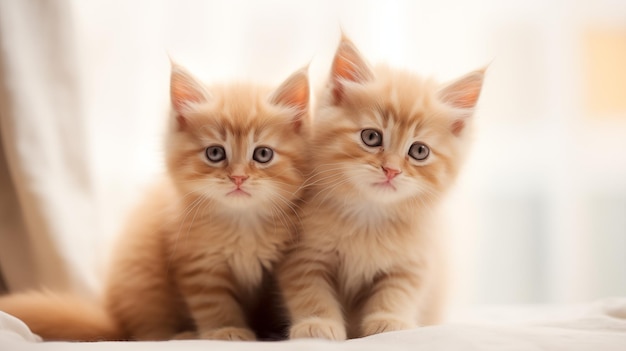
294	93
185	90
348	66
463	94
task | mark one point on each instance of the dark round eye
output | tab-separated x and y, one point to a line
263	154
215	153
419	151
372	137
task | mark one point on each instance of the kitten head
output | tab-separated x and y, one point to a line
238	145
383	135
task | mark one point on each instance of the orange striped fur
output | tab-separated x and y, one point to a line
368	259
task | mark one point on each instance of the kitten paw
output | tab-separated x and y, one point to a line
229	333
376	324
318	328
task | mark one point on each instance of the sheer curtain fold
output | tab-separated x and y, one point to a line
44	177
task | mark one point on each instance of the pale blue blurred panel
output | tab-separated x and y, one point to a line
512	249
607	226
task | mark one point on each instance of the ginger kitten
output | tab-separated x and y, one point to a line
206	238
196	257
386	145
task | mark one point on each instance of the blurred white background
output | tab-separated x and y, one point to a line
538	216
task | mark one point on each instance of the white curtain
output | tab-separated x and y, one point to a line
48	220
84	101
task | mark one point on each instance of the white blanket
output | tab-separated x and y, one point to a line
600	326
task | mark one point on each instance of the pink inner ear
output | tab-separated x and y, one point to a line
344	67
294	92
348	65
183	93
185	89
464	93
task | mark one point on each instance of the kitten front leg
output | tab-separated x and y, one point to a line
393	303
210	297
305	280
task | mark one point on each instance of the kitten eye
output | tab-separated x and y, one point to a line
372	137
263	154
215	153
419	151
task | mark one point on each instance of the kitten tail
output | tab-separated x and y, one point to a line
62	317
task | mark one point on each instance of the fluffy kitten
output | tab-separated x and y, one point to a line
386	144
195	258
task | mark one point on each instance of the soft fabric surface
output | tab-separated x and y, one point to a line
600	326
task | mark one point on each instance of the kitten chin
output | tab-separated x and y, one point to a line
387	144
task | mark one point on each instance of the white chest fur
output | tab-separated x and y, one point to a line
245	261
361	258
252	248
376	246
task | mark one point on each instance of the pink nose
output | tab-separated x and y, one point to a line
238	179
391	172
